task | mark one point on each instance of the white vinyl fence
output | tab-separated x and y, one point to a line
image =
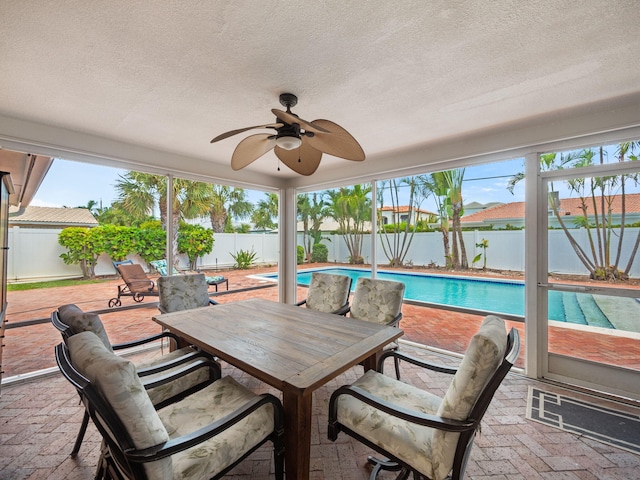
34	254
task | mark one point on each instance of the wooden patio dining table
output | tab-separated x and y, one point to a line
293	349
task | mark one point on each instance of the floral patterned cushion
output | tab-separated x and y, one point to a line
161	267
378	301
409	442
205	460
214	279
182	292
80	321
428	450
327	292
482	358
116	379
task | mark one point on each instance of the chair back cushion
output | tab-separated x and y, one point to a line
135	278
182	292
328	292
484	355
79	321
116	379
378	301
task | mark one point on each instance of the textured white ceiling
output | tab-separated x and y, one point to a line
172	75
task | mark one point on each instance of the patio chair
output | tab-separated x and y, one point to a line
137	284
201	436
416	430
183	292
379	301
71	320
161	267
328	293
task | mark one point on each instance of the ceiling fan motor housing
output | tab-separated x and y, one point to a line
288	100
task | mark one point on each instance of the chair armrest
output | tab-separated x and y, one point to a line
189	368
299	304
161	367
192	439
395	321
433	421
142	341
343	310
415	361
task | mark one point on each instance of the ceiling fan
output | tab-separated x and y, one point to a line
298	144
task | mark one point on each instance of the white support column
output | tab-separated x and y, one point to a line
287	231
170	233
533	236
374	228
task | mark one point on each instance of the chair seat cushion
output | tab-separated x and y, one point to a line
203	408
409	442
214	279
168	390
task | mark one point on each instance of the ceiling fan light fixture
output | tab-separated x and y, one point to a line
288	142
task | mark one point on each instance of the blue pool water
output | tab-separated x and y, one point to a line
499	296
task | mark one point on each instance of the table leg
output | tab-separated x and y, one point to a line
297	433
371	363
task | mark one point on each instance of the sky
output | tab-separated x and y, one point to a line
74	184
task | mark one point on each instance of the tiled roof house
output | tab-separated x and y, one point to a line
389	214
513	213
49	217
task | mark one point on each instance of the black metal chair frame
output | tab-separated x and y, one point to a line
206	360
467	428
122	455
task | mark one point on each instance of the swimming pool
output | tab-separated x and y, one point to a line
478	294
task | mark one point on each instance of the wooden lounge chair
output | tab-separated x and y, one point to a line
137	284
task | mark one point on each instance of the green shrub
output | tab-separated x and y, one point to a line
244	259
152	241
195	241
300	255
84	246
320	253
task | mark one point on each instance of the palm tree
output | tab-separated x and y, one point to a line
265	215
140	193
351	208
437	185
396	245
312	210
227	203
595	194
453	181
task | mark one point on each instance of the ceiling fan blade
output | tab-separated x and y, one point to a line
336	141
240	130
291	118
251	148
303	160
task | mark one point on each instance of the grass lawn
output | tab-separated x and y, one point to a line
13	287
